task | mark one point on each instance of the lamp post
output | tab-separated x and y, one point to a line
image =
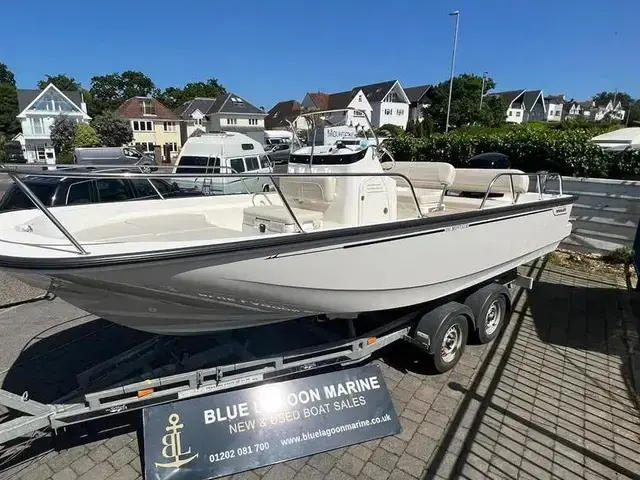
453	64
484	76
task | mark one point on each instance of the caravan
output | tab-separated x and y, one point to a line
223	152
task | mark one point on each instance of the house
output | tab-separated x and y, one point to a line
38	110
596	111
419	98
523	105
155	127
389	103
555	107
355	100
282	113
575	109
229	113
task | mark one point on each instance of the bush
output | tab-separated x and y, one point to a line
565	151
64	158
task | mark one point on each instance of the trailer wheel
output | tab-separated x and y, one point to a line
449	344
489	306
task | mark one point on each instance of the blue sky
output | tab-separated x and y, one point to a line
271	50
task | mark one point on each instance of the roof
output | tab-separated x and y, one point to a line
25	97
415	94
341	99
232	103
376	91
132	108
554	98
199	103
281	112
320	100
530	98
508	96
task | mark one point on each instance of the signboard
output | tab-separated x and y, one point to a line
330	135
217	435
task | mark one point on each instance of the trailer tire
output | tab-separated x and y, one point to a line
450	342
489	307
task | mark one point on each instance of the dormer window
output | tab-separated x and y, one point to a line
148	108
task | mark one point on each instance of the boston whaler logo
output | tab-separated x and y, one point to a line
172	445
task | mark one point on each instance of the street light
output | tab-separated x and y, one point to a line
453	64
484	76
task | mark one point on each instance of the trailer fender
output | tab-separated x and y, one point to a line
431	323
479	300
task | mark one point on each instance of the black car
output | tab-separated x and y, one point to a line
54	191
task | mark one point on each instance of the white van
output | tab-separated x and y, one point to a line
223	152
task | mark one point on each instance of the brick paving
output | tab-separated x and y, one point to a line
552	397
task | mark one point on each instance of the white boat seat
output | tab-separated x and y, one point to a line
478	180
276	219
427	197
313	192
426	175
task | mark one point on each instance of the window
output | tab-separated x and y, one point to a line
399	112
264	161
360	98
142	126
552	113
145	147
388	111
148	108
169	126
558	113
253	121
510	113
518	113
143	188
52	101
232	121
247	146
252	163
37	126
172	146
162	186
188	164
197	121
358	113
15	199
237	165
79	193
112	190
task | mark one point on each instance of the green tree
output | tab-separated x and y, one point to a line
7	76
622	97
113	131
465	103
107	92
9	124
389	130
85	136
173	97
61	81
63	134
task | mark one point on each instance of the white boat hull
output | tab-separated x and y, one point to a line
210	293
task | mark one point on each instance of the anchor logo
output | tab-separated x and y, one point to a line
172	445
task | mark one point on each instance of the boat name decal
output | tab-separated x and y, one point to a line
453	228
559	211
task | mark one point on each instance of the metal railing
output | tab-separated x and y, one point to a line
105	172
514	196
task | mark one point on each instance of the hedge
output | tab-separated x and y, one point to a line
567	152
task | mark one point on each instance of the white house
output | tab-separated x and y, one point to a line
597	111
38	110
523	105
389	103
555	107
229	113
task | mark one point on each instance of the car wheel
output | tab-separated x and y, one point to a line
145	169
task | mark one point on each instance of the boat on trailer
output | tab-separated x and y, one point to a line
341	234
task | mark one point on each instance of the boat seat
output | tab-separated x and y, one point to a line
276	219
477	180
429	180
427	198
314	193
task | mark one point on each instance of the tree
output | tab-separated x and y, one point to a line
465	103
109	91
61	81
9	124
112	130
622	97
633	119
85	136
173	97
7	76
389	130
63	134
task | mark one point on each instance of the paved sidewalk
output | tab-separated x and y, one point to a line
551	398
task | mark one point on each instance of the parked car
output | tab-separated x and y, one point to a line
114	156
280	153
13	153
55	191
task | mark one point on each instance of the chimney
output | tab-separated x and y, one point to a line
83	105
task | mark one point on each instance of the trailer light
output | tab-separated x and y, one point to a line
371	340
145	392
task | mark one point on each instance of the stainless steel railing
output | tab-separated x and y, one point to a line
514	196
105	172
